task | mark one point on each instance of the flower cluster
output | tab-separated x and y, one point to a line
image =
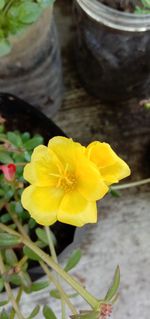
67	179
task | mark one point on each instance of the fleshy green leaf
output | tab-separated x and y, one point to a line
10	257
2	3
3	303
114	287
48	313
34	312
8	240
73	260
4	315
5	158
6	217
28	12
33	142
30	254
55	294
14	138
39	286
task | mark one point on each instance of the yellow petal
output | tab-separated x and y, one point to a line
77	211
66	149
42	203
101	154
90	182
110	165
116	172
44	167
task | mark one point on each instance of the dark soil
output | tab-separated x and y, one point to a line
123	5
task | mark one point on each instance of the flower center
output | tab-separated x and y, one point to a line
67	182
66	179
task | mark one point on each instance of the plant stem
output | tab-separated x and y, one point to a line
58	286
12	314
90	299
51	245
64	297
9	291
129	185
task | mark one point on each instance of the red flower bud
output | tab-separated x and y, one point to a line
9	171
106	310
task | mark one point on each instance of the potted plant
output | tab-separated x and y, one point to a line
113	39
58	169
30	65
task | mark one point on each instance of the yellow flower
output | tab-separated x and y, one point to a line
111	167
65	182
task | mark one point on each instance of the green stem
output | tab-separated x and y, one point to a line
12	314
51	245
58	286
9	291
129	185
64	297
90	299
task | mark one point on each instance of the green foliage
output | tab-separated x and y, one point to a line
16	16
114	287
48	313
8	240
73	260
144	8
34	312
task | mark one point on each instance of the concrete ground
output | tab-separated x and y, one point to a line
121	237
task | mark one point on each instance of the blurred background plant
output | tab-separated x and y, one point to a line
144	8
16	16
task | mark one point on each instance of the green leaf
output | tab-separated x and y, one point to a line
31	223
4	315
2	3
45	3
25	136
3	303
39	286
114	193
73	260
5	158
86	315
25	279
1	284
6	217
55	294
33	142
41	234
5	47
14	138
10	257
30	253
114	287
28	12
14	279
48	313
8	240
34	312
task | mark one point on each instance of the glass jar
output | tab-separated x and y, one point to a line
32	70
112	51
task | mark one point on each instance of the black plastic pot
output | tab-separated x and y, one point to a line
21	116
